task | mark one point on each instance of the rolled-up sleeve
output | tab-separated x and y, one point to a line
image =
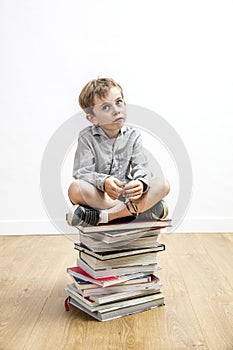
85	167
139	163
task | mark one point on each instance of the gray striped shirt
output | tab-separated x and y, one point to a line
97	158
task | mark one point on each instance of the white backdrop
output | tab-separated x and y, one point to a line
173	57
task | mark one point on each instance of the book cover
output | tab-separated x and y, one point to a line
146	269
98	246
122	287
130	261
86	287
137	224
115	238
105	281
104	299
119	253
112	297
93	306
111	315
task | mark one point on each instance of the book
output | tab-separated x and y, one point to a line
109	280
125	261
93	306
116	266
119	253
114	237
128	270
113	314
110	297
122	287
98	246
119	312
137	224
81	284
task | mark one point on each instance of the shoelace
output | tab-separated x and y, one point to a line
90	217
129	203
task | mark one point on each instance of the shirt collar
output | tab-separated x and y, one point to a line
96	130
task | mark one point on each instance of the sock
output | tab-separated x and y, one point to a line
103	217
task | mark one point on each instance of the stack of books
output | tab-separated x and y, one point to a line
116	269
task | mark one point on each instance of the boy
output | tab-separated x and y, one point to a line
109	165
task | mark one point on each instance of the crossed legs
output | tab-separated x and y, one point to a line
83	193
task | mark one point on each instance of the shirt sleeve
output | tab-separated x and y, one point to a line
84	165
139	164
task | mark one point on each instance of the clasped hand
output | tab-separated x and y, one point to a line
132	190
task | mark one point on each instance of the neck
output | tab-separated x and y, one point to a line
112	134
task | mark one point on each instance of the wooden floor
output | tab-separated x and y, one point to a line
197	281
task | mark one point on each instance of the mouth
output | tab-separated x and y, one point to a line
120	119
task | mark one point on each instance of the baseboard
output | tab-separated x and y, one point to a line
45	227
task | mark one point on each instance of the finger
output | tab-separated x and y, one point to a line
134	192
134	198
132	184
119	183
115	193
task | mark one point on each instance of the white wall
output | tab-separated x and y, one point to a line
173	57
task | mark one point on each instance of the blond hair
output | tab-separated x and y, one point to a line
96	87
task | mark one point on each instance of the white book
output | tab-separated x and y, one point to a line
120	288
126	227
130	261
147	269
157	247
103	299
93	306
100	246
121	312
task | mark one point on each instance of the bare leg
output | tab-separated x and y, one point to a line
81	192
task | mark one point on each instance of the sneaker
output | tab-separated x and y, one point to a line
158	211
83	216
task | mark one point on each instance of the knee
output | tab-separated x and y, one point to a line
161	186
166	187
73	191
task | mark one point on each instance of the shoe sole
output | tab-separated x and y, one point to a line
165	210
70	215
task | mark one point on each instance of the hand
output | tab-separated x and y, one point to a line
133	190
113	187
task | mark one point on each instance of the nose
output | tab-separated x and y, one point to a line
116	109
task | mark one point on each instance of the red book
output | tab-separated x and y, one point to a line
76	271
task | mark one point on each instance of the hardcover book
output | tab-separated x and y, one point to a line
135	225
120	262
120	312
100	246
128	270
157	247
110	280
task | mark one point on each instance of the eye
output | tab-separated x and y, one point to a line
119	102
106	108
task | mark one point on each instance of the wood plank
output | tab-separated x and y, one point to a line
199	271
215	315
162	328
170	276
197	279
34	266
220	249
17	319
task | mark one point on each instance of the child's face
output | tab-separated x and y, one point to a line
110	111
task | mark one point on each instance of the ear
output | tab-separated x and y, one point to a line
91	118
